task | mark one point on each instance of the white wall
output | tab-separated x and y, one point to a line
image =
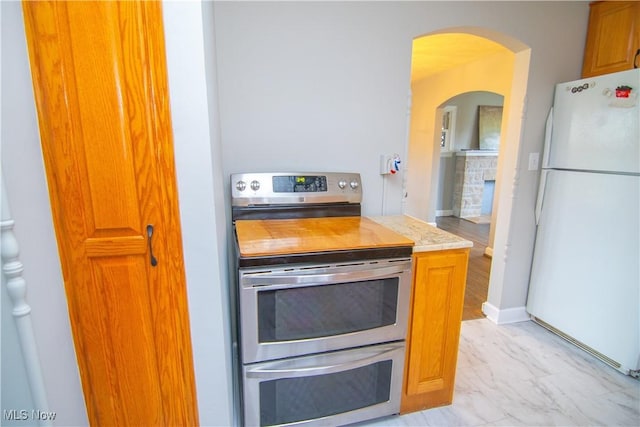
325	85
190	54
316	87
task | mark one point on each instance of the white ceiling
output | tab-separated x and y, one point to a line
439	52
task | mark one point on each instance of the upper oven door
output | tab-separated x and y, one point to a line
297	310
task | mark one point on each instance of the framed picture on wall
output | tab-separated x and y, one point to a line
489	124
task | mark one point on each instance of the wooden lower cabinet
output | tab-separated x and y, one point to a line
434	328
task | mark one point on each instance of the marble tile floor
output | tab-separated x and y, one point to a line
523	375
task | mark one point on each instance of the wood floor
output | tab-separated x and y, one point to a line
479	264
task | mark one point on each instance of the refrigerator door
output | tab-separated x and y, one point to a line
593	129
585	279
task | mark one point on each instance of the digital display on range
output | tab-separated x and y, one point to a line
299	184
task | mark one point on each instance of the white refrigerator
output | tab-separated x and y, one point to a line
585	278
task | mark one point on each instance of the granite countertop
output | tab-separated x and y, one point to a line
426	237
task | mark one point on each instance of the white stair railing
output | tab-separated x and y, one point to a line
12	268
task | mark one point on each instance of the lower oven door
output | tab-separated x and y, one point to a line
292	311
327	389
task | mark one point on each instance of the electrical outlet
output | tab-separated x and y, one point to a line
534	159
385	161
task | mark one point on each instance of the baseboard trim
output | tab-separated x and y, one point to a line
507	315
488	251
444	213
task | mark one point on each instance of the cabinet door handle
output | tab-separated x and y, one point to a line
152	259
635	59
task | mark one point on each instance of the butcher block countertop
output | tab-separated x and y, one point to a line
426	237
271	237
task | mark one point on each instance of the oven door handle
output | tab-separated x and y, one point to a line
278	280
272	370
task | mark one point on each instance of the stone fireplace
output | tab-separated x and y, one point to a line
473	169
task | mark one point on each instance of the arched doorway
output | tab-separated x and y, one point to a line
469	148
504	70
463	117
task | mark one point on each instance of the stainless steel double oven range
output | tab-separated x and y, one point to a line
320	334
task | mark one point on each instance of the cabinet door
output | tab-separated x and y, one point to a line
434	329
613	37
100	85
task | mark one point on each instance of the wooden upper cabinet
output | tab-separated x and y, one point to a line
613	38
100	83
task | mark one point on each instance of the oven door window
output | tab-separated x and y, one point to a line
288	400
326	310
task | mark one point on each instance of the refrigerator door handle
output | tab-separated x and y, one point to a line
541	190
547	140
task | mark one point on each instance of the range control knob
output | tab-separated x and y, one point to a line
354	184
241	185
255	185
342	184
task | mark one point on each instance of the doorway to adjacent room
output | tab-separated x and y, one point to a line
446	64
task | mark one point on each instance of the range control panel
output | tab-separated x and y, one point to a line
299	183
295	188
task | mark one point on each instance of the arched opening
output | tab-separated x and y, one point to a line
469	147
471	130
474	59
